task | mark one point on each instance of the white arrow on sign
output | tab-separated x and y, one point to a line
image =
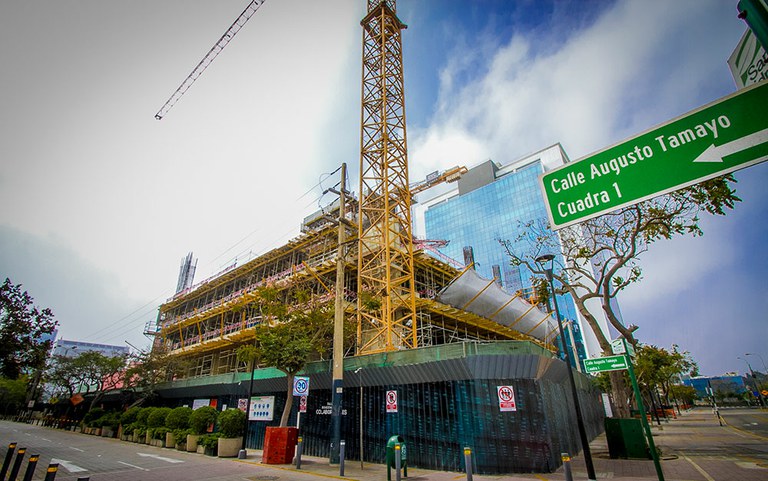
161	458
72	468
716	153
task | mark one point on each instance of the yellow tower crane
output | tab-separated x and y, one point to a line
386	293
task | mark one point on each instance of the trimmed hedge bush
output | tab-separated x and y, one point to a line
232	423
129	416
178	418
201	418
141	418
90	418
156	418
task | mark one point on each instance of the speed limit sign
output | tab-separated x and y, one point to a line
506	398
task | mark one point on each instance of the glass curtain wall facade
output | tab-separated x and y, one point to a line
487	209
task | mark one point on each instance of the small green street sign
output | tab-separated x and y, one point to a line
718	138
608	363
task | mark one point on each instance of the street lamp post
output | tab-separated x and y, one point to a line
541	260
754	381
765	368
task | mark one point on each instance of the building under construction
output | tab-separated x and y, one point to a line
471	336
207	322
432	332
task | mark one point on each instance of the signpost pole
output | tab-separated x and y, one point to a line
643	418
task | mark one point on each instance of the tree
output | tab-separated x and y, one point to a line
12	394
657	367
89	372
149	368
23	327
686	394
602	254
286	338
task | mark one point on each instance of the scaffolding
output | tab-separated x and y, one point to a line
206	324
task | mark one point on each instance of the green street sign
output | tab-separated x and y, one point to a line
609	363
718	138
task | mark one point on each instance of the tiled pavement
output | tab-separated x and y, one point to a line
694	448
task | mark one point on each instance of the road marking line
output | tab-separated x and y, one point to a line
72	468
131	465
161	458
698	468
77	449
542	478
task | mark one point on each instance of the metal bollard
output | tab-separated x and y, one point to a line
17	464
397	461
567	466
50	473
468	462
299	448
31	467
342	449
7	462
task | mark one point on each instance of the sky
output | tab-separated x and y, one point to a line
100	201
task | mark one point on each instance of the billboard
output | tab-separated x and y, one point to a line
749	61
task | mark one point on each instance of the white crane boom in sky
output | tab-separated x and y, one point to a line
210	56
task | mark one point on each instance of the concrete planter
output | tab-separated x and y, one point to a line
192	440
229	447
200	449
169	441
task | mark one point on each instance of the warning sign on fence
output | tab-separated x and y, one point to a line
506	398
391	401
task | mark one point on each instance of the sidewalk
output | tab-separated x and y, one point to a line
694	448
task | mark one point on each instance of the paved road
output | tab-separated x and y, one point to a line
750	421
695	447
109	459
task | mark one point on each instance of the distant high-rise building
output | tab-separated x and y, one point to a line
186	273
75	348
493	203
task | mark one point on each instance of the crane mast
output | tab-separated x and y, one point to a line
386	297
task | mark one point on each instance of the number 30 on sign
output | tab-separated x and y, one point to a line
506	398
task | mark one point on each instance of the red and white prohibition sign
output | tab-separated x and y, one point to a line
506	398
391	401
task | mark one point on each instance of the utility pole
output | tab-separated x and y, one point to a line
338	323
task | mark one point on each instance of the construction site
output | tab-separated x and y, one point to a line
425	326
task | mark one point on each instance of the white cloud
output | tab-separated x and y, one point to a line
613	79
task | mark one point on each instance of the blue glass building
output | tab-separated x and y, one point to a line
493	203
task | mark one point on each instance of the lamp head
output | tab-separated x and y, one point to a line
544	258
